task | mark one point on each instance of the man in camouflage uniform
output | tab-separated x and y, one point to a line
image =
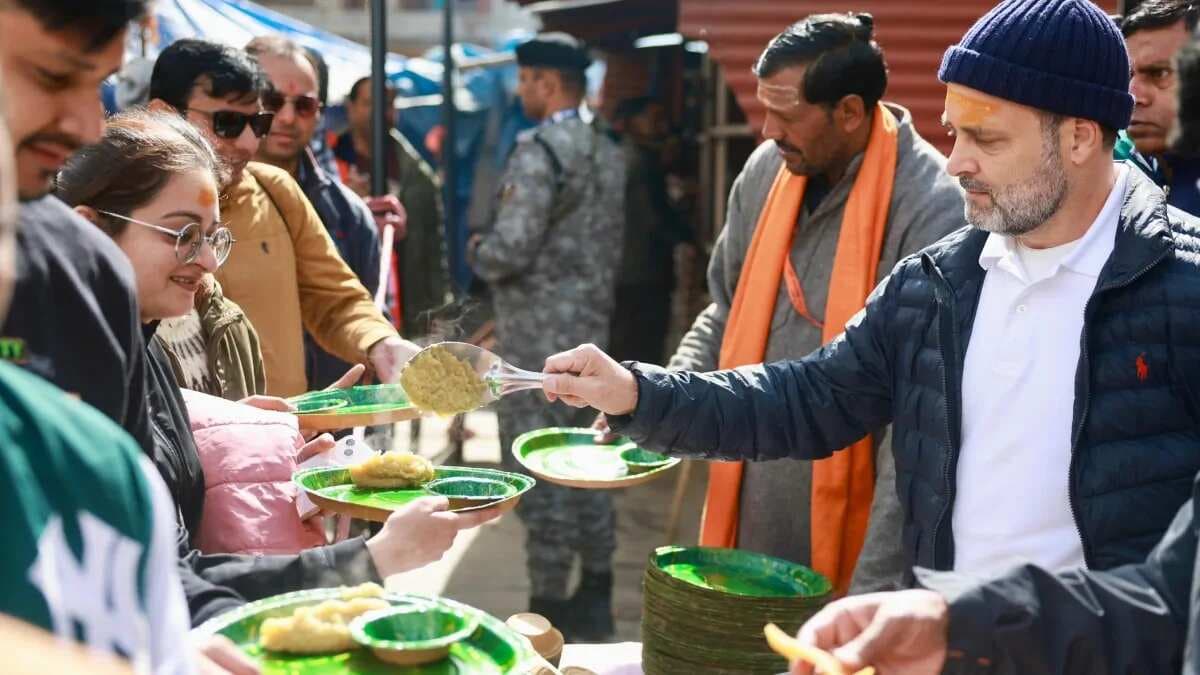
551	259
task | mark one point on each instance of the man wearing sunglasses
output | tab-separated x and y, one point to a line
286	272
293	97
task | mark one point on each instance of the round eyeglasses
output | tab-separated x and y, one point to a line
189	239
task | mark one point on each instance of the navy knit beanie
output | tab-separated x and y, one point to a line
1061	56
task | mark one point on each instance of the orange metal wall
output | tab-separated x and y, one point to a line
912	33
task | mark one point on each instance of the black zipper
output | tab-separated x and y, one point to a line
945	300
1085	367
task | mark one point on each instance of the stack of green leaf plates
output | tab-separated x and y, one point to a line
704	609
492	649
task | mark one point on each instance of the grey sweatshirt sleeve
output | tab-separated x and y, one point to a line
880	565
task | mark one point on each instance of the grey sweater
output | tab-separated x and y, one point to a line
926	205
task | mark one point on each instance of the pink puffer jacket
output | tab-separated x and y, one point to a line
248	456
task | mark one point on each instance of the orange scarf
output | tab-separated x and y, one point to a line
843	484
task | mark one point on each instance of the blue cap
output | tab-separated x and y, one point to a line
1061	56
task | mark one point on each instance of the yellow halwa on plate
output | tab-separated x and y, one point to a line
322	628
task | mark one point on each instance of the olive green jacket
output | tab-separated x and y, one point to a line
234	356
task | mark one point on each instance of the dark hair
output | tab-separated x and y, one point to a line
843	58
99	21
1161	14
1187	124
221	70
356	90
322	67
140	151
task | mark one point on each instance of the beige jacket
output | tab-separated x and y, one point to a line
287	276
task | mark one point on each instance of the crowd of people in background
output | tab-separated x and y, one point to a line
974	377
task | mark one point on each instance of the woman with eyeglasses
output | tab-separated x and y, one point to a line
151	183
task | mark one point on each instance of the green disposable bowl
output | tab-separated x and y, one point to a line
413	635
640	460
470	491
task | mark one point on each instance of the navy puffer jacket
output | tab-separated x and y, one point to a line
1136	427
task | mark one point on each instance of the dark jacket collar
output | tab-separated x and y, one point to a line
1143	233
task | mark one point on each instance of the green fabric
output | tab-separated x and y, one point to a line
1124	148
62	462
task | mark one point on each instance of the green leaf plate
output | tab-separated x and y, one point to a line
493	649
361	406
737	572
331	489
572	457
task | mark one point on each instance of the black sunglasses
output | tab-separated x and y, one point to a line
306	106
230	124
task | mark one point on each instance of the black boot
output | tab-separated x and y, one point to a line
557	612
591	613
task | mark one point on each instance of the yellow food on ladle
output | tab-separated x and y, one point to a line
793	650
439	382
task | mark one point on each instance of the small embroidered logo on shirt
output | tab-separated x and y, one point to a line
1143	369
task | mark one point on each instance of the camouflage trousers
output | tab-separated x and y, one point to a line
560	522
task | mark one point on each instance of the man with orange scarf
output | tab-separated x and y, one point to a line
1038	368
842	189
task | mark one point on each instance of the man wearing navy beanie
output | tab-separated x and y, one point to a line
1075	302
1040	369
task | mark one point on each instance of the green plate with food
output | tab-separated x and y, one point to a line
267	631
572	457
361	406
355	492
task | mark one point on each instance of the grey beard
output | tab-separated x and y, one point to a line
1020	209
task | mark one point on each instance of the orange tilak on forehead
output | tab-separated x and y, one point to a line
969	111
207	196
777	96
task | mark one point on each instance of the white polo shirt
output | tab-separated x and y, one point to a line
1018	396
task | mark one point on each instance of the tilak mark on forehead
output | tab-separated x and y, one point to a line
970	110
778	96
207	196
